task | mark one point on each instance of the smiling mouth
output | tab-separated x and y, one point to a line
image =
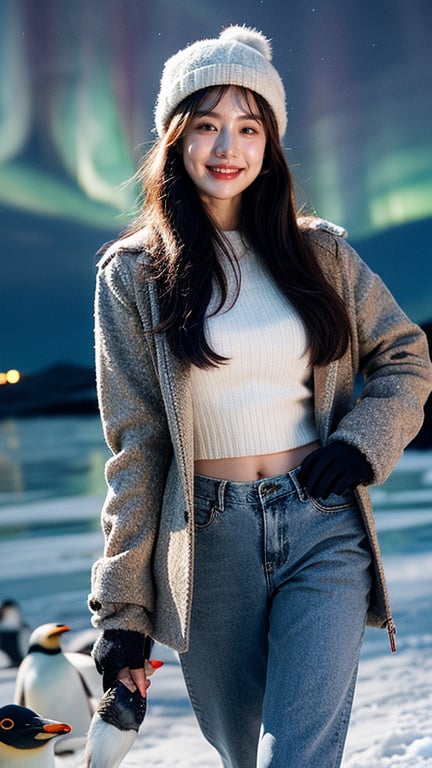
224	171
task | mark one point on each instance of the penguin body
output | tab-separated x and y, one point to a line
47	682
115	724
26	738
91	679
78	652
14	633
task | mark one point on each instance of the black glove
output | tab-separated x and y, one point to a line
118	648
333	469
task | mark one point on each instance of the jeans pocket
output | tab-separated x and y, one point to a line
205	513
334	503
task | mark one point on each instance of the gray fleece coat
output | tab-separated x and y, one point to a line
144	581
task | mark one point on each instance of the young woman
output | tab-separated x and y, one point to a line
229	335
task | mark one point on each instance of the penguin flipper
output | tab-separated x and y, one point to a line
90	677
19	692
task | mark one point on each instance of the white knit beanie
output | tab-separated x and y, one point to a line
239	56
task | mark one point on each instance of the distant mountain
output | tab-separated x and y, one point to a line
47	278
63	388
402	257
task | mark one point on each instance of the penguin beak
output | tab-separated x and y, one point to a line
156	663
49	729
57	728
60	628
151	665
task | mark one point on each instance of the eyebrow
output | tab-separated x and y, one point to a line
243	116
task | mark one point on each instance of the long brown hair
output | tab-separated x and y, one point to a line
183	241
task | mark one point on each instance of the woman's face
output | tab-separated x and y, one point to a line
223	151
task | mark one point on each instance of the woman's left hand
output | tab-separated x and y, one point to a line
333	469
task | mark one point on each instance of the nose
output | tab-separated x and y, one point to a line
226	145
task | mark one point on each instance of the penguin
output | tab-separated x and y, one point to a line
26	738
116	722
83	641
48	682
14	632
78	652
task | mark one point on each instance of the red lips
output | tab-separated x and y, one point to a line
224	172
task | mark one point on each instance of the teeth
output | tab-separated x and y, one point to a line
224	170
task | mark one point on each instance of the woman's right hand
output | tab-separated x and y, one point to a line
135	678
121	654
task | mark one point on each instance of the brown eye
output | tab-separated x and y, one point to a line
7	724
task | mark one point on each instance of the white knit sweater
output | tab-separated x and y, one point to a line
260	401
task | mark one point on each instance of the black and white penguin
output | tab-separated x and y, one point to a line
26	738
116	723
14	633
78	652
48	682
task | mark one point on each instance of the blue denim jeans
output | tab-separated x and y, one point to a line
281	593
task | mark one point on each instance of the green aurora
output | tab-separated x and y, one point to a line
77	88
80	80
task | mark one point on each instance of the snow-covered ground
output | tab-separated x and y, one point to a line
46	549
391	722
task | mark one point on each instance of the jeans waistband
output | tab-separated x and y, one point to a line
224	491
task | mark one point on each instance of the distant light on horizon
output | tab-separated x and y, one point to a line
10	377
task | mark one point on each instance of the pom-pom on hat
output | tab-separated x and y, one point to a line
239	56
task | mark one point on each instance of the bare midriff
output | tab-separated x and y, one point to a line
249	468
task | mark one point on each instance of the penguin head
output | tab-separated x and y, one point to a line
10	614
22	728
47	638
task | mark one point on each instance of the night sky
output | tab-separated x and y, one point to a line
78	85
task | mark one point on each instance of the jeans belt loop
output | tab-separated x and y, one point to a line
301	493
221	495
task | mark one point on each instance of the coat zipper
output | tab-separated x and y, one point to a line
391	629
